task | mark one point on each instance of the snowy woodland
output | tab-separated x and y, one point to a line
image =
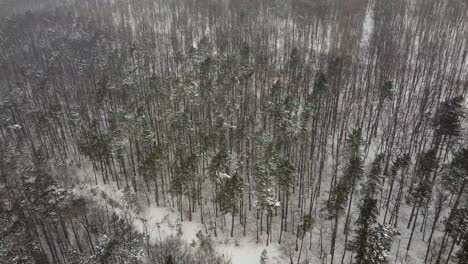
233	131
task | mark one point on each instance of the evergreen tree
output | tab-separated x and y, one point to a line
456	181
150	168
373	185
462	254
457	223
265	185
367	215
285	177
381	243
230	195
182	181
361	245
399	165
304	227
456	226
420	194
372	242
456	178
447	120
343	192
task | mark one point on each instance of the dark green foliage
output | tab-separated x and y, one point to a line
168	94
367	218
401	162
306	225
125	245
230	193
457	222
459	163
352	173
185	169
456	172
320	84
387	90
95	145
381	243
462	254
354	167
373	185
354	170
448	116
285	173
152	163
422	191
264	175
372	242
284	111
295	59
354	143
427	164
337	203
264	188
16	245
219	163
287	121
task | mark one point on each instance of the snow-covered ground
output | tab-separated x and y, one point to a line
161	222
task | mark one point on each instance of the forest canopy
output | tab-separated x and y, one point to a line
310	131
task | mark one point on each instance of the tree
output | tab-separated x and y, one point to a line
125	244
97	146
230	195
265	182
182	183
303	228
361	245
456	181
368	244
462	254
421	194
150	169
385	93
456	226
399	165
353	172
335	207
285	176
447	120
374	179
381	243
372	242
97	82
265	192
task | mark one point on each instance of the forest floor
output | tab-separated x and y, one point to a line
160	222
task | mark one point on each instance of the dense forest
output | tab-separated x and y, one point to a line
233	131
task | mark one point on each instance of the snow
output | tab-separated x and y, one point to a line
165	221
14	127
248	252
162	222
368	26
222	175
